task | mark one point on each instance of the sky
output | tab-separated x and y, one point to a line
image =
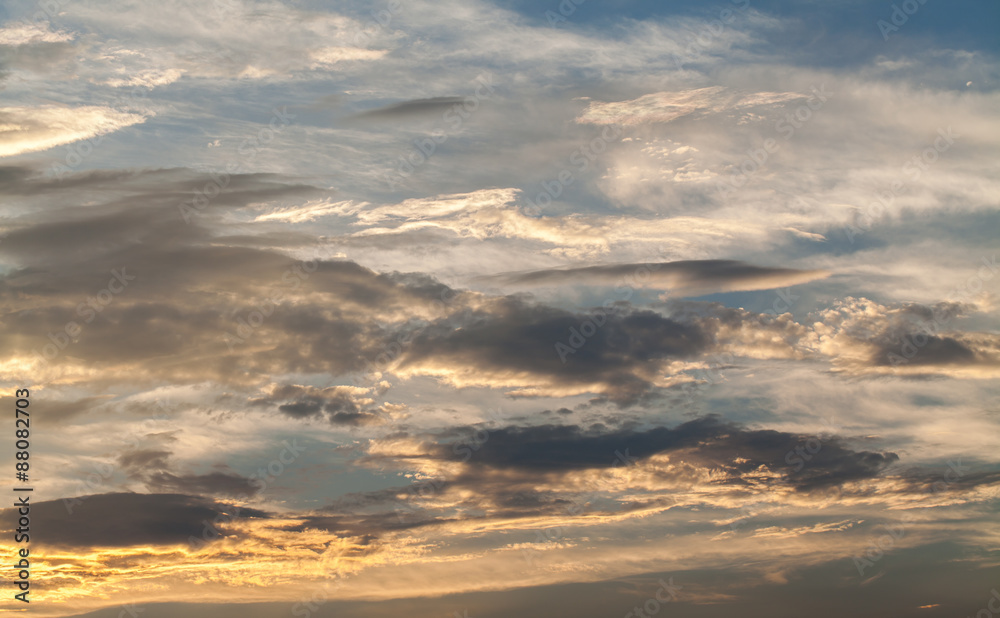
482	309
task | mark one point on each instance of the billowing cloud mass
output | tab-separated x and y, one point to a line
498	309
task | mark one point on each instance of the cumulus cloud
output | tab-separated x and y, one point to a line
861	336
340	405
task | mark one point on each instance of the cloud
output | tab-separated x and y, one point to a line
417	107
862	336
691	277
662	107
140	229
514	345
247	320
27	34
125	519
309	212
58	412
152	468
341	405
36	48
27	129
494	214
147	79
153	45
340	316
736	455
328	56
419	209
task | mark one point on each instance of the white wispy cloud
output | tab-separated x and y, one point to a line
30	129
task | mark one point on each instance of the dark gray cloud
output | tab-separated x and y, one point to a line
518	336
191	287
139	218
935	351
340	405
124	519
709	442
301	409
153	468
139	461
59	412
688	277
416	107
952	476
517	472
354	419
216	484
